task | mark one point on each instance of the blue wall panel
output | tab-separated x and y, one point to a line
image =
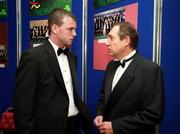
77	44
25	25
7	74
171	65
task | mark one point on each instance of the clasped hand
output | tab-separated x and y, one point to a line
104	127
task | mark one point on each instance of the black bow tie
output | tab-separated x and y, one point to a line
123	63
60	51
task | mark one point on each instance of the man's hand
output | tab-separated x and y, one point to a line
106	128
98	121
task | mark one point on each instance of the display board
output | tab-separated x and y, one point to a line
44	7
103	23
39	10
3	44
39	32
3	8
8	52
100	3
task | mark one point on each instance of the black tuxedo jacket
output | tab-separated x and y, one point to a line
135	105
40	97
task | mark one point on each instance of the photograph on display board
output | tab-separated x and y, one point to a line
44	7
3	45
39	32
100	3
103	22
3	8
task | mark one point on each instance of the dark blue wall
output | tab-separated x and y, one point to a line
77	45
7	74
171	65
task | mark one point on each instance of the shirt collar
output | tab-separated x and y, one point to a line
54	46
127	56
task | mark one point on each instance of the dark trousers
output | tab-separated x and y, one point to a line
73	125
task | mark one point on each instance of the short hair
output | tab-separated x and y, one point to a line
57	16
127	29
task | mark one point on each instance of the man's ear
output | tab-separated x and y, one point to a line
127	41
55	28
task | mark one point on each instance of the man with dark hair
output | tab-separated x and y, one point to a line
131	98
46	100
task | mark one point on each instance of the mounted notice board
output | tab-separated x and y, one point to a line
103	22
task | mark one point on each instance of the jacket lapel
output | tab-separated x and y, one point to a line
53	63
108	83
72	66
122	86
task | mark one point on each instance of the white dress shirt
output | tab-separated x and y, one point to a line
65	70
120	70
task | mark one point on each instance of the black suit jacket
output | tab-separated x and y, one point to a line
135	105
40	97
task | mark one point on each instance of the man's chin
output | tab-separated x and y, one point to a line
110	53
68	45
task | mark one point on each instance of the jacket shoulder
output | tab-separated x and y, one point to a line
147	65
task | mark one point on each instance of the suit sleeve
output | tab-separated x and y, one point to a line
24	95
101	103
152	107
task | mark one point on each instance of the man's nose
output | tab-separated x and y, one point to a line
107	42
74	33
